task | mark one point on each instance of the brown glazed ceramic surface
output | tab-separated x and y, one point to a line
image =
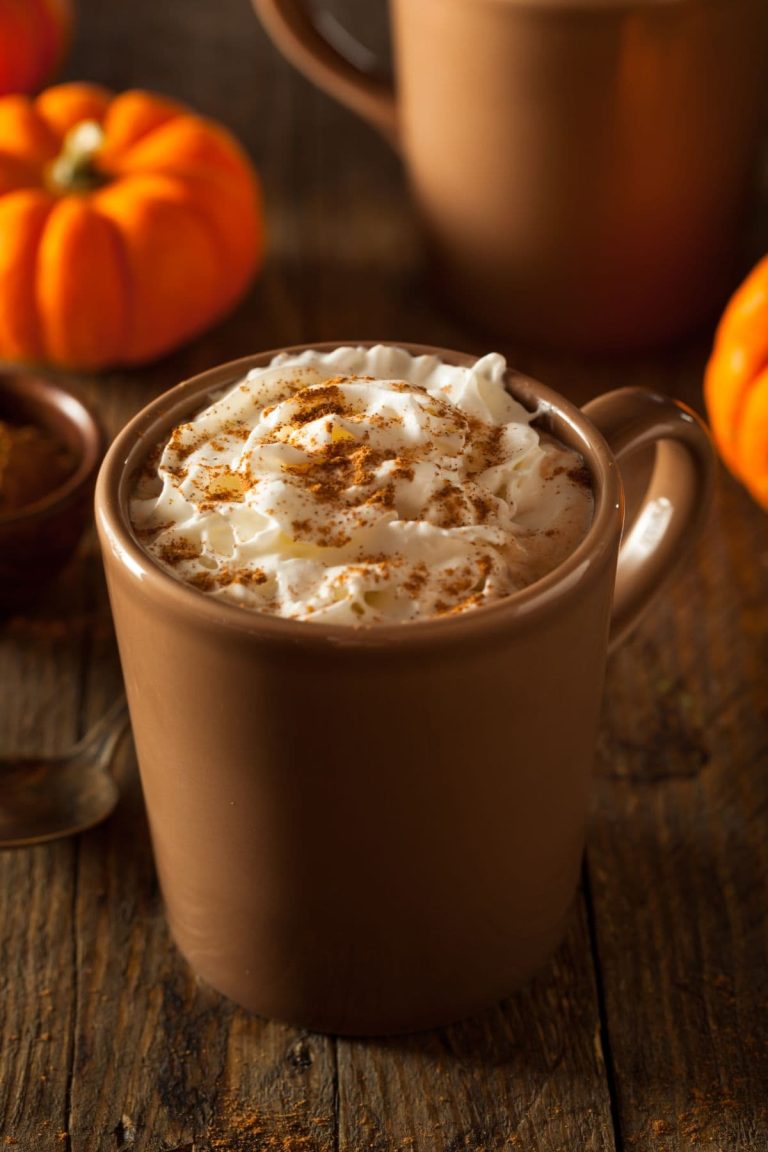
582	167
376	830
37	540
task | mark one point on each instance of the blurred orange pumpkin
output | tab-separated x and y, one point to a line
127	224
33	36
736	384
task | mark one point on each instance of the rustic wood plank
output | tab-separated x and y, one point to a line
526	1074
678	859
42	656
36	995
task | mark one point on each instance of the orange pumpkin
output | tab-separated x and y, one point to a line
33	36
736	384
127	225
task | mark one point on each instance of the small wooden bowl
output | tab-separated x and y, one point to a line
38	539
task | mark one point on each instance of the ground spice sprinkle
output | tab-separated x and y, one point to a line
354	496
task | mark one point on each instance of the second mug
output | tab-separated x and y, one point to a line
582	167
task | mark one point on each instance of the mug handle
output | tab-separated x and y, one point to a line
299	38
662	521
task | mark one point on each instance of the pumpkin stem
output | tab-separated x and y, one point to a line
74	169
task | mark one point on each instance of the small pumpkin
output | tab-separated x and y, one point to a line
736	384
33	37
127	224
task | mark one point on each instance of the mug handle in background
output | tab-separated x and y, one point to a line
664	520
297	35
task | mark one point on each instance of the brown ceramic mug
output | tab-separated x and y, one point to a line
376	830
582	167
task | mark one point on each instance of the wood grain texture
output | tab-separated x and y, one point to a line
527	1074
677	856
41	662
648	1030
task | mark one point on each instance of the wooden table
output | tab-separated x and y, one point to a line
648	1031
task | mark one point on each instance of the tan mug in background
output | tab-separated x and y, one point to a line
582	167
380	829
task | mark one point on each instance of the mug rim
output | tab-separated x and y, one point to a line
154	421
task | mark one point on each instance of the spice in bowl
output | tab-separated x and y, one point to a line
33	462
50	448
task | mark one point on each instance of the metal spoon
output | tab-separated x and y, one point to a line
44	798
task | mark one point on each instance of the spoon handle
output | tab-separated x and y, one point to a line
100	740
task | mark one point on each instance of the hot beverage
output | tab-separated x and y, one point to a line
363	486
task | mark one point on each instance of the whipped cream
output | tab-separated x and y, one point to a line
362	486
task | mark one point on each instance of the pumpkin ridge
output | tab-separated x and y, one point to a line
132	117
736	383
123	263
756	369
242	249
723	395
231	210
743	399
728	387
82	311
20	328
232	278
183	145
172	258
752	440
24	132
